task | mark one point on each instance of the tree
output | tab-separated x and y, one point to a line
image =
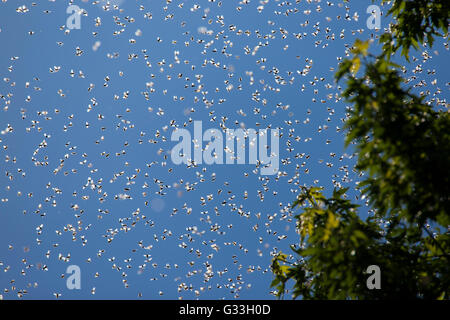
403	146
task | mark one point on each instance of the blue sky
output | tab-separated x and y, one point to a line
57	107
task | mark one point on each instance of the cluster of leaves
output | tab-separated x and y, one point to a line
402	143
336	247
416	21
403	146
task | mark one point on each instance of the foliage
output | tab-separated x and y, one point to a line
416	21
336	247
402	143
403	146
